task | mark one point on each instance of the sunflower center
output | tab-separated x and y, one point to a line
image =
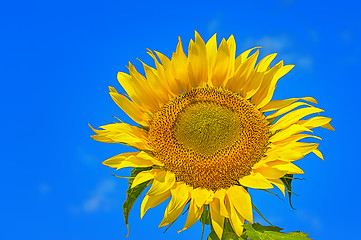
209	137
207	127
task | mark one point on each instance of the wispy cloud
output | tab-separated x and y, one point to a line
87	158
44	188
281	44
101	198
213	26
269	44
310	218
305	62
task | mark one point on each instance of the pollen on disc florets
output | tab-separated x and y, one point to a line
209	137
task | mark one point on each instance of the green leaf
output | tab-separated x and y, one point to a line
133	193
287	179
260	228
258	232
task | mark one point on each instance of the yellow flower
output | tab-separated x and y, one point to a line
205	133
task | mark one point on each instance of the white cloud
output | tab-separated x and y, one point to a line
284	45
44	188
213	26
309	218
275	43
269	44
305	62
87	158
101	198
314	35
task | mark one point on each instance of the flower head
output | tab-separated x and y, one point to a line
205	131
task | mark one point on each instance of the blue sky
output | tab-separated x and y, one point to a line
57	59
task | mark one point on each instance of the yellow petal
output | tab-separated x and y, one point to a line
289	152
284	155
293	117
116	128
286	109
267	91
115	161
278	183
285	133
278	104
129	107
174	84
156	79
180	68
242	74
243	56
236	220
194	213
270	172
125	80
180	196
266	82
122	133
181	193
241	200
249	65
273	156
314	122
328	126
161	183
293	138
131	159
211	46
142	90
289	167
257	76
152	201
197	62
255	180
221	194
318	153
200	196
232	53
265	62
301	147
254	84
145	176
221	65
216	217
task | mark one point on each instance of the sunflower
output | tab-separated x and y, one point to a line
208	131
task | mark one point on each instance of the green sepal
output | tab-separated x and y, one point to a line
271	120
287	179
205	217
228	233
212	235
258	232
146	128
133	193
